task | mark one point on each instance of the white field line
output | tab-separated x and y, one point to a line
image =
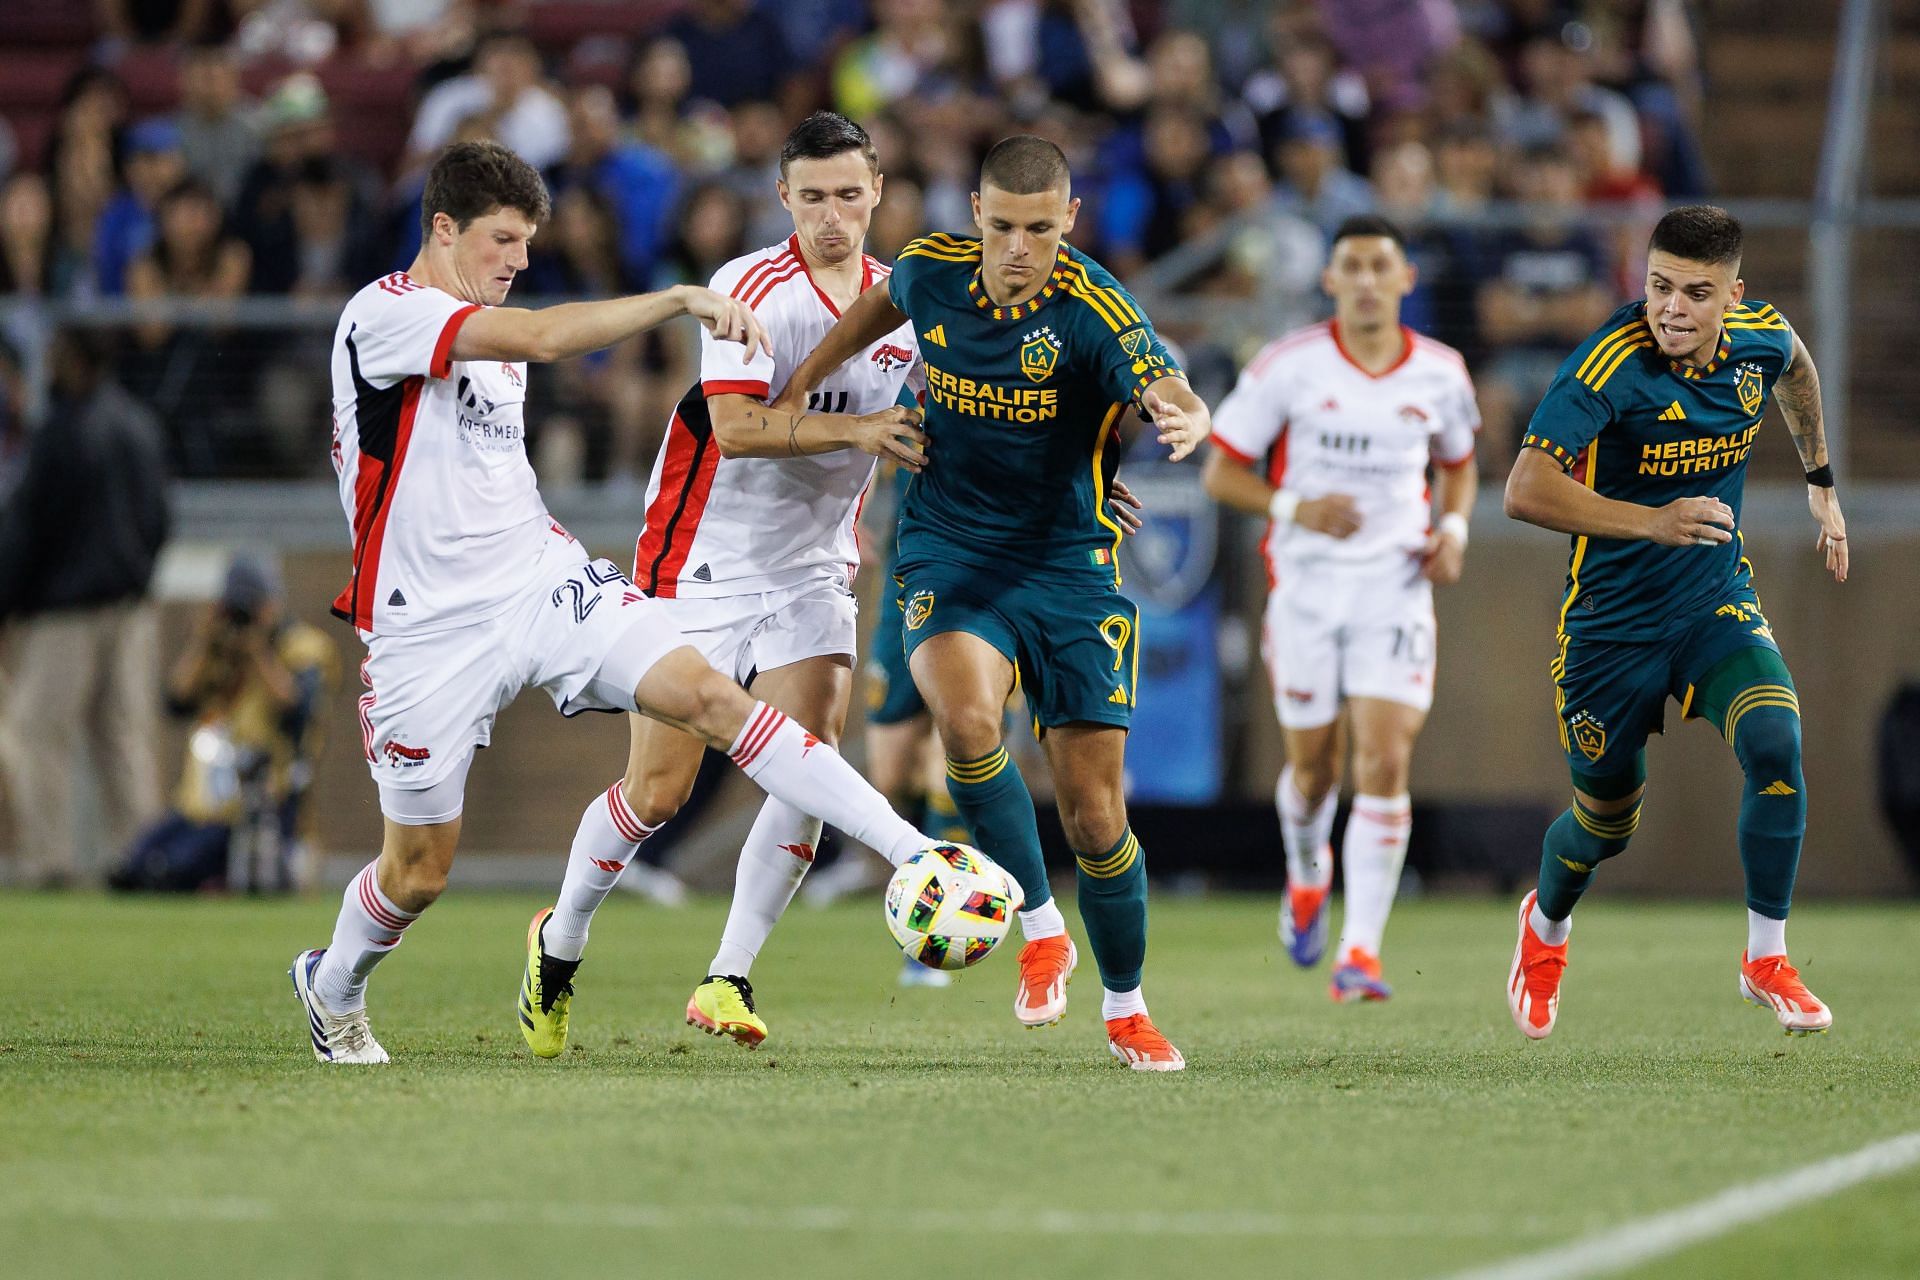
1643	1239
209	1210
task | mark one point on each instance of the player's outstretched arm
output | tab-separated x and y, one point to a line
575	328
747	428
1798	392
871	318
1540	492
1181	417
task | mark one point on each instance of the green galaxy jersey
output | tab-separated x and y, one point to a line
1022	413
1640	428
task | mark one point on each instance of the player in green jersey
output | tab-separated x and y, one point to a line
1639	450
1008	552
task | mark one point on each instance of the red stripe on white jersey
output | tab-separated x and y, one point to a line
373	493
673	518
442	363
751	280
767	286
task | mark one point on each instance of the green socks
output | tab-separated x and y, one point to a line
1578	841
997	808
1113	902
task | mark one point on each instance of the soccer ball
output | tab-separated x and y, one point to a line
949	906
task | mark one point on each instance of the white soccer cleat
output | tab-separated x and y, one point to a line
1772	983
336	1037
1046	967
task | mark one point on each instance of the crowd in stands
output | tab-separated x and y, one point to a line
278	147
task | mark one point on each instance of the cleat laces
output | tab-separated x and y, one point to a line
740	985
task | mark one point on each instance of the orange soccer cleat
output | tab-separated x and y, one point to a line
1533	984
1357	977
1138	1043
1046	967
1772	983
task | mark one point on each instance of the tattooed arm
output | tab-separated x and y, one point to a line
1798	394
744	427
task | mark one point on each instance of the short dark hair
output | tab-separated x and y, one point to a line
824	135
472	179
1025	164
1699	233
1368	224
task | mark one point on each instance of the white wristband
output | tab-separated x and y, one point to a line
1282	506
1455	524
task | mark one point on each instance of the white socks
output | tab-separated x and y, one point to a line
775	857
1122	1004
791	764
1552	932
1371	853
1305	832
369	926
1044	921
1765	936
608	836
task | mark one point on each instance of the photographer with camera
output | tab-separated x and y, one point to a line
253	682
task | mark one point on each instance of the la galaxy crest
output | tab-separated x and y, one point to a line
1749	388
1039	353
1588	734
919	609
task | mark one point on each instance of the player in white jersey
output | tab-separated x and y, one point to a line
1348	416
749	548
466	590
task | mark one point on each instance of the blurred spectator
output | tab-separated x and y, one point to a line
1271	257
1647	49
815	29
78	539
1602	177
505	86
1391	43
13	418
192	255
1442	303
1076	52
1468	164
217	133
759	132
302	32
81	159
736	50
26	235
1143	214
1314	182
1546	287
910	46
1558	82
163	21
607	396
153	165
415	31
638	183
1468	89
1310	83
899	219
254	682
309	214
1235	32
659	83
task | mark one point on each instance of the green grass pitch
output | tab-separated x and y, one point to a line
161	1114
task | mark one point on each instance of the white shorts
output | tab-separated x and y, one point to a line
741	636
583	633
1331	634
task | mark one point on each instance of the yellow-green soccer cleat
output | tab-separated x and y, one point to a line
723	1006
546	995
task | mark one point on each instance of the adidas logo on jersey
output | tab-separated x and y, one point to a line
1673	413
396	600
1778	789
936	335
703	574
1119	696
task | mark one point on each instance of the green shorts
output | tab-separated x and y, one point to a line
891	696
1075	650
1610	694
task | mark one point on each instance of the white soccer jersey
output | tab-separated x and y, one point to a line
725	526
1329	426
431	455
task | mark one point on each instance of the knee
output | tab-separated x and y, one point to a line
1767	740
416	869
1382	769
655	797
970	731
1314	777
1094	821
